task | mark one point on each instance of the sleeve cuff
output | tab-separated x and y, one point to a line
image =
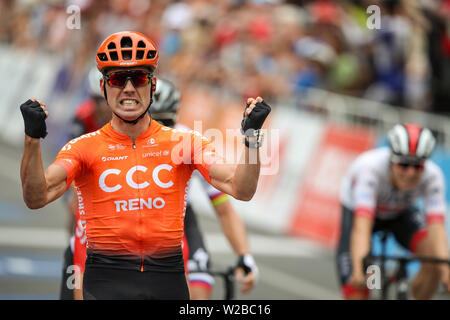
66	167
435	218
365	212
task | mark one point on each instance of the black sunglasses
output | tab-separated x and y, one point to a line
119	79
405	165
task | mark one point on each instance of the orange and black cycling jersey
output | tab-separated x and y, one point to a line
132	194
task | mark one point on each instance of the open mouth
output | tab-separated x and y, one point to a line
129	102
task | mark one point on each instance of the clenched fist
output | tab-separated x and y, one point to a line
34	115
255	114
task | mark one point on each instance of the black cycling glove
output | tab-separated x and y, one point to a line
34	119
248	264
256	118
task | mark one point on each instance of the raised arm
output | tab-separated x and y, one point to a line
39	187
240	180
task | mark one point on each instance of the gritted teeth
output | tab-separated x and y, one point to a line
129	102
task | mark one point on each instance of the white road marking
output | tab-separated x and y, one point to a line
44	238
10	168
20	266
51	238
267	246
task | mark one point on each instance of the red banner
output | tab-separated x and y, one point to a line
317	215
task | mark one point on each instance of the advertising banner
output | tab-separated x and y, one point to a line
317	212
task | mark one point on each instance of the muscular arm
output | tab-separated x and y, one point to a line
39	187
360	245
239	181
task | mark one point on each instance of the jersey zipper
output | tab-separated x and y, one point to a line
139	214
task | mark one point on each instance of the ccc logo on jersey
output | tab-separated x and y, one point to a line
131	182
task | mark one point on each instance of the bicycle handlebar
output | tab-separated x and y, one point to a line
228	272
400	274
406	259
228	279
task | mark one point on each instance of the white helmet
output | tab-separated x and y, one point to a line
165	102
411	141
94	77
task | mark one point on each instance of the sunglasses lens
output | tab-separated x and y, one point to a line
119	79
407	165
140	78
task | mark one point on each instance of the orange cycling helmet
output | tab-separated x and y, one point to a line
127	49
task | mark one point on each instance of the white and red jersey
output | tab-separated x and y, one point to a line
367	188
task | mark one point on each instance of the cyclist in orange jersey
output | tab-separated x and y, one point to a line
131	177
196	257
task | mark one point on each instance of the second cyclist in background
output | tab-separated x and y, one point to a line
379	192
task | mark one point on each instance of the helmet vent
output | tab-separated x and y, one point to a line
151	54
111	45
126	42
102	56
141	44
140	54
126	54
114	56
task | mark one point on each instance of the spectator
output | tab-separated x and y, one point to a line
269	48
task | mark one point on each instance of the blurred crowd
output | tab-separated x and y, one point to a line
272	48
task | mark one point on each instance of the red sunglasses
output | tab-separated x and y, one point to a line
119	79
